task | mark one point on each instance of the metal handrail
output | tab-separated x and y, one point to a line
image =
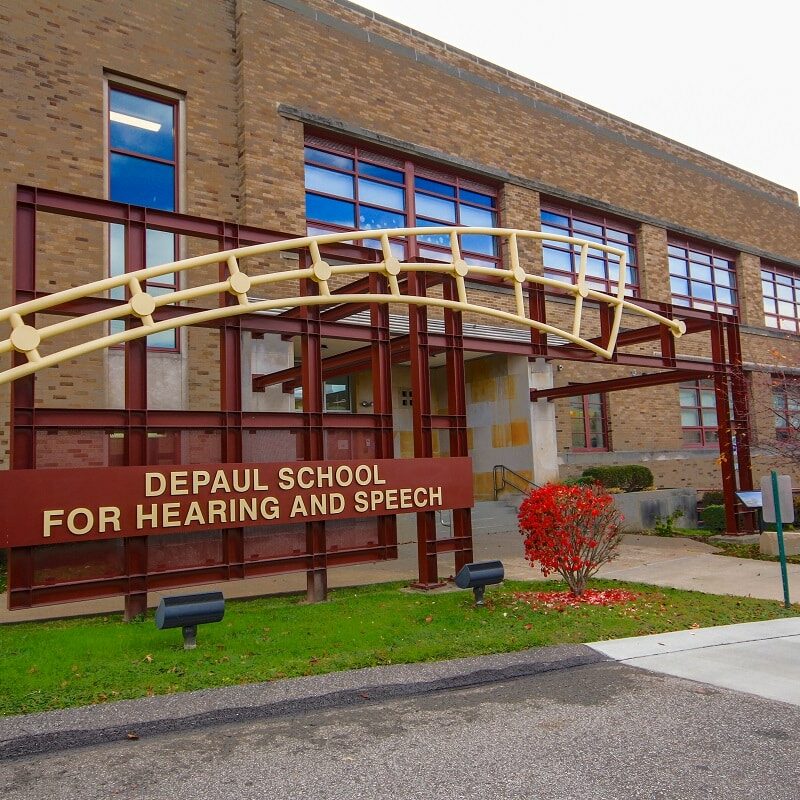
502	470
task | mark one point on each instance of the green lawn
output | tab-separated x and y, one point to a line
83	661
731	548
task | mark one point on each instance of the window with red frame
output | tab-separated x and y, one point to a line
143	170
781	289
702	277
699	414
350	188
562	260
589	422
786	406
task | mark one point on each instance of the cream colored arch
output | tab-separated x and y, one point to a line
27	339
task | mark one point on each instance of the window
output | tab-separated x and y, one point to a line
348	188
336	396
143	170
562	261
589	422
702	277
786	405
781	289
699	414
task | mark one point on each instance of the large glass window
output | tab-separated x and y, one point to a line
589	422
781	289
702	277
348	188
143	171
337	395
699	414
786	406
562	260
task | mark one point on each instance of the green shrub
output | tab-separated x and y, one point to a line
629	478
665	526
713	518
713	498
578	480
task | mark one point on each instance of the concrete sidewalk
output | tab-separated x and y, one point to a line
760	658
662	561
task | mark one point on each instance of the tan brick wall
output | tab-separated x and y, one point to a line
236	62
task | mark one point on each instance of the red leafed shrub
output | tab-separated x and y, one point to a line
570	530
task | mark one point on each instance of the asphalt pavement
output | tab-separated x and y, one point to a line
551	723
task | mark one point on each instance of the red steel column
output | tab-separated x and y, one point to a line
136	434
741	418
313	438
23	432
381	362
230	399
457	411
421	414
726	454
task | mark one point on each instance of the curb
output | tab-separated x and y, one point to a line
51	731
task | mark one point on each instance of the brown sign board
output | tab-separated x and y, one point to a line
71	505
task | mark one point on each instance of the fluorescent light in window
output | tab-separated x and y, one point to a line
137	122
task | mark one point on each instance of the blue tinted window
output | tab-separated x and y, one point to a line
142	183
435	186
474	197
325	209
142	125
381	194
160	250
554	219
479	244
477	217
380	172
330	159
435	207
328	181
370	219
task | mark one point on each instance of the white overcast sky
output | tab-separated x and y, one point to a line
719	76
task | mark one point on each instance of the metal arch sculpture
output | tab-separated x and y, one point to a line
27	339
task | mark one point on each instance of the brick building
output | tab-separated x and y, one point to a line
317	115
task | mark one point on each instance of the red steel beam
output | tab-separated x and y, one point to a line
619	384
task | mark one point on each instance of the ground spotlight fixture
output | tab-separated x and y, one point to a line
478	575
187	611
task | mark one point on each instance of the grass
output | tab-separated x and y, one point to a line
83	661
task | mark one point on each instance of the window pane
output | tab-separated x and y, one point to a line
474	197
725	296
707	399
160	250
381	194
325	209
479	244
380	172
709	417
370	219
588	227
165	340
328	181
435	207
723	277
330	159
476	217
557	259
690	418
700	272
703	258
677	266
141	125
556	219
116	248
688	397
691	437
595	267
435	186
442	239
142	183
702	290
679	285
337	396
